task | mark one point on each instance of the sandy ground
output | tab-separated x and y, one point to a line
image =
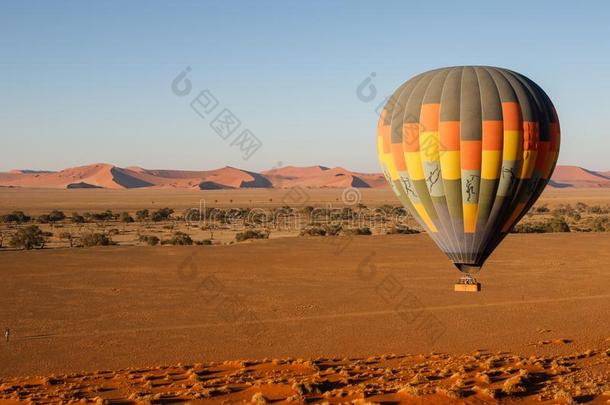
117	307
39	201
334	319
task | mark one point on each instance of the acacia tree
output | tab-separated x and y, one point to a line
28	238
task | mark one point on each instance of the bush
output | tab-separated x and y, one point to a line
95	239
125	217
204	242
251	234
28	238
162	214
142	215
549	226
56	216
113	231
179	238
77	219
358	231
600	224
313	230
53	216
333	229
18	217
400	230
150	240
596	209
101	216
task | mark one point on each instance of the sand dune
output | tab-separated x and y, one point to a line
574	176
108	176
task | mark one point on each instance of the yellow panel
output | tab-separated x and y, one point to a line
424	216
490	164
513	141
387	159
529	162
414	165
428	145
470	217
450	165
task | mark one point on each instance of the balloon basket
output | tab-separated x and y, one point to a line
467	284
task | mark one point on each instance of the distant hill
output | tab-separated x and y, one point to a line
104	175
577	177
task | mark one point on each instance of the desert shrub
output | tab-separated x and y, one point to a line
400	230
27	238
150	240
142	215
358	231
597	209
542	209
313	230
193	214
551	225
56	216
44	219
575	216
100	216
581	206
125	217
251	234
600	223
95	239
307	210
564	210
347	213
53	216
113	231
77	219
179	238
18	217
204	242
333	229
162	214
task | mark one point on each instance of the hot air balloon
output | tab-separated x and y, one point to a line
468	150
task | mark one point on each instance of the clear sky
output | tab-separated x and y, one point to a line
84	82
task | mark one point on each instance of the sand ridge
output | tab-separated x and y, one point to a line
473	378
108	176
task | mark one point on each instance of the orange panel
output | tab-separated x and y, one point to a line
511	113
429	117
399	157
531	135
470	155
493	135
410	137
449	134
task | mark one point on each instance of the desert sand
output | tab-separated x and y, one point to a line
38	201
336	305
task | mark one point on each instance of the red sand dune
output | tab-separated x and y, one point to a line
574	176
109	176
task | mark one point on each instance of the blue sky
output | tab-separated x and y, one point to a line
85	82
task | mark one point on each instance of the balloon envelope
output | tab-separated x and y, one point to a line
468	150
